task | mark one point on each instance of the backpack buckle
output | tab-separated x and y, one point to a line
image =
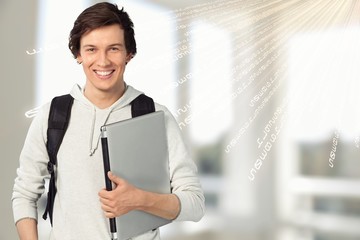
50	167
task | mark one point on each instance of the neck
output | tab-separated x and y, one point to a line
103	99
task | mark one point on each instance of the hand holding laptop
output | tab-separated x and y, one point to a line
125	198
122	199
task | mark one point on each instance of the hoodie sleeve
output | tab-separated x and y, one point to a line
183	173
29	183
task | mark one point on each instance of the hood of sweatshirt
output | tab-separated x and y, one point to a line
99	116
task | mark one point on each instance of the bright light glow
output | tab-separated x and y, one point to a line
56	69
324	84
152	69
210	89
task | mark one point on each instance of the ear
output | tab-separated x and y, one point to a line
129	57
79	59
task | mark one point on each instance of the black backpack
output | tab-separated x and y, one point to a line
59	116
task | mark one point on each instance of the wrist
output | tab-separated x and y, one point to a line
146	200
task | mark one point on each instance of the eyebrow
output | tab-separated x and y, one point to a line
111	45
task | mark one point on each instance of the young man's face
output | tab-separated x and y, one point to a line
104	56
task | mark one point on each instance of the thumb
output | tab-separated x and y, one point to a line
115	179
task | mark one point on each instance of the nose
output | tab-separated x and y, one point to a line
103	60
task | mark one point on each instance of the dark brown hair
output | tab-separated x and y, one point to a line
99	15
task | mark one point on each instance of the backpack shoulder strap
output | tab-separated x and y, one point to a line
59	116
142	105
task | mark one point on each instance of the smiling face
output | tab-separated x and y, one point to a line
104	56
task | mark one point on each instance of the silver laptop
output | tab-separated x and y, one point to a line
138	152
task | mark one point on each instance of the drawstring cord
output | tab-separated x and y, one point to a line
93	149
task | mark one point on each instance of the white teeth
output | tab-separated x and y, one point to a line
103	73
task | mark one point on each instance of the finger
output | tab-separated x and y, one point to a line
110	215
104	201
115	179
106	208
104	194
108	202
110	212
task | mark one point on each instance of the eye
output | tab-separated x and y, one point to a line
114	49
90	49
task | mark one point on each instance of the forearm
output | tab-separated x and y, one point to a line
27	229
163	205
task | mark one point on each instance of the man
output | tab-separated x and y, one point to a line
102	40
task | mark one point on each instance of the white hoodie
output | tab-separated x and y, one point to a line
77	212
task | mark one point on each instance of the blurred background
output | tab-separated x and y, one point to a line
264	91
